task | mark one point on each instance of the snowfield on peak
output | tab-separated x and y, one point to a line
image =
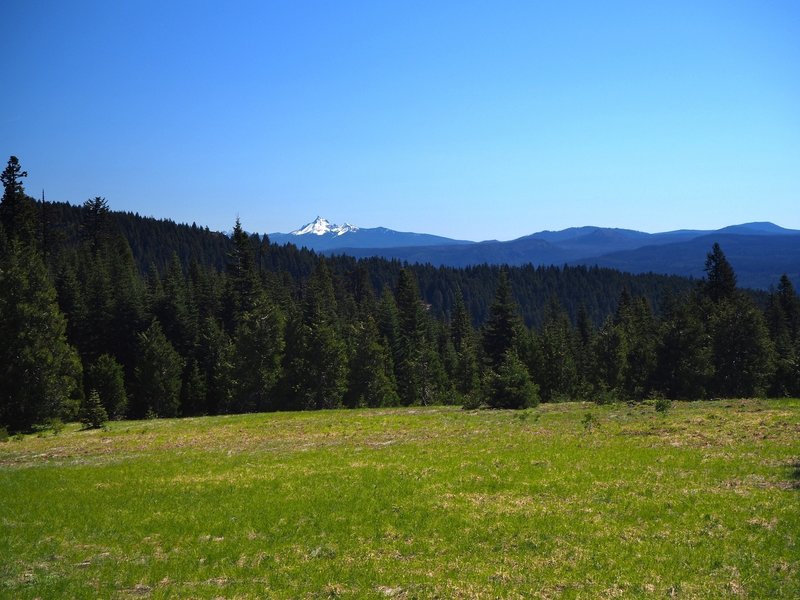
320	226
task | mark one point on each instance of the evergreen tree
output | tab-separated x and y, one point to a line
193	390
410	341
387	320
503	326
684	367
157	375
215	357
316	355
242	286
39	371
128	313
555	371
584	360
610	355
638	327
370	375
257	359
17	211
93	414
96	229
466	374
783	321
510	385
720	281
742	350
105	377
173	307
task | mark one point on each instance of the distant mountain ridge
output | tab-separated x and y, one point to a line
321	235
760	251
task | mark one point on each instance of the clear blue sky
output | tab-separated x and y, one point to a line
473	120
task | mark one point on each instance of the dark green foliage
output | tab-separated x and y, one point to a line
684	367
93	414
157	375
783	321
106	377
410	340
371	374
610	352
193	390
466	373
503	327
242	284
237	324
720	279
172	305
553	365
215	356
97	227
662	404
39	370
18	214
639	329
316	358
741	349
510	385
259	343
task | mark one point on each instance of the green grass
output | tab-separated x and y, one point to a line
700	502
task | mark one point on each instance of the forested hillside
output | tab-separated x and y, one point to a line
111	315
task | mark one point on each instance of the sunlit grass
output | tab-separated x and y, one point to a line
700	502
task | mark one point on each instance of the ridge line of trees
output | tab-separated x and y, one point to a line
87	331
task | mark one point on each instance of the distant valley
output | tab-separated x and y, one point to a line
759	252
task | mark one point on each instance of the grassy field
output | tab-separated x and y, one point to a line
565	500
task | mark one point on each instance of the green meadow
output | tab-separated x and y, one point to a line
561	501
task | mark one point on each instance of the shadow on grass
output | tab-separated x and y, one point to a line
795	474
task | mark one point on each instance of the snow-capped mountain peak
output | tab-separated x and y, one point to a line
320	226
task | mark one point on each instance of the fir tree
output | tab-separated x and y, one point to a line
105	376
242	286
410	341
215	357
741	349
466	374
17	211
39	371
720	281
503	326
93	414
555	372
157	375
370	375
510	385
684	366
259	345
783	321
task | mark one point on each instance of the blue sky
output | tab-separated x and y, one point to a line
474	120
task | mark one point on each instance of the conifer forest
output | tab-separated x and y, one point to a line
109	315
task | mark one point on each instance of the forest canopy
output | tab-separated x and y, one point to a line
143	317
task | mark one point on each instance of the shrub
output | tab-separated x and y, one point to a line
589	421
663	404
471	401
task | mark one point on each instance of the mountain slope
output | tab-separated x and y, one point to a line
321	235
760	252
759	260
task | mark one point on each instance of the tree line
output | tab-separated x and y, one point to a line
231	324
